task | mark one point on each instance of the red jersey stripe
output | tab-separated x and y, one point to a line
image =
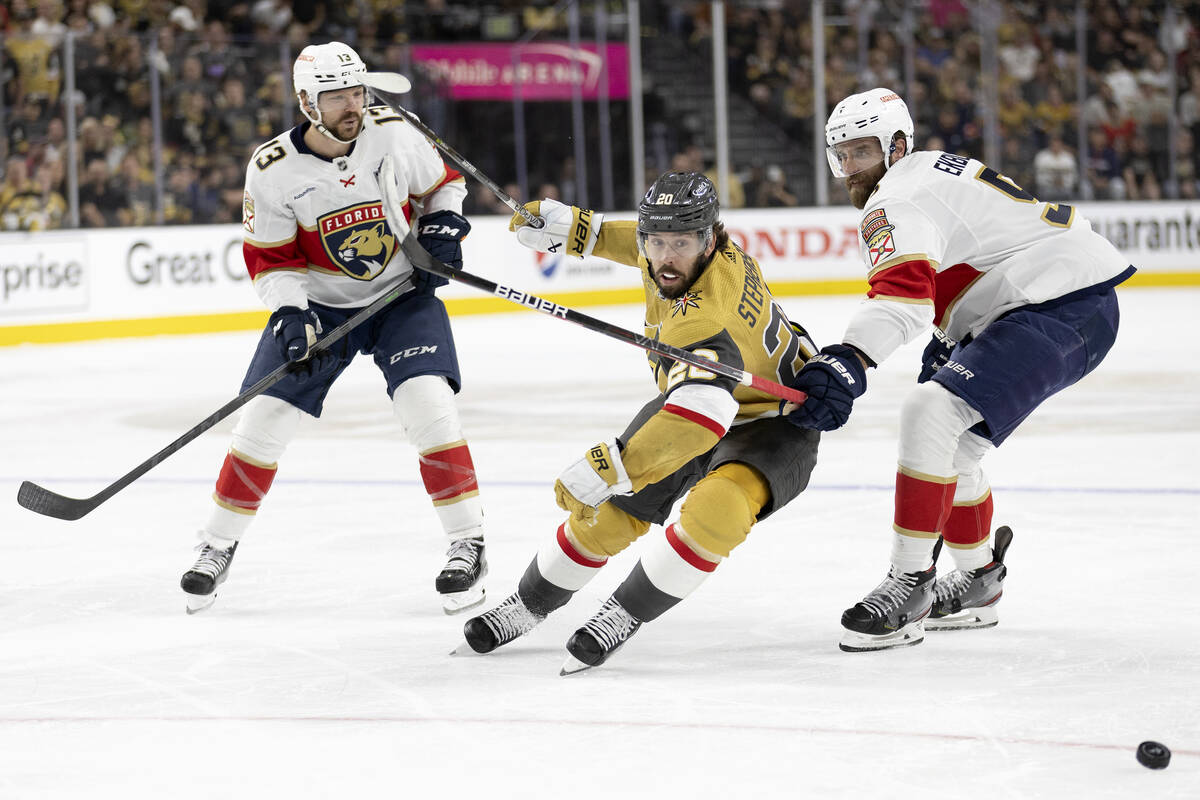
696	417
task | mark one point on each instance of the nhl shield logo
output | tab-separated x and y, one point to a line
358	240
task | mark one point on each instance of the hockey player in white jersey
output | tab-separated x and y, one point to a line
1021	294
318	248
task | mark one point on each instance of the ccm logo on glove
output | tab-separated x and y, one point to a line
440	230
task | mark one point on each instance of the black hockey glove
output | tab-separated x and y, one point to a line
295	331
832	379
441	233
936	354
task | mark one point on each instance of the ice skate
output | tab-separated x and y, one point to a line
460	583
499	626
210	571
967	600
892	615
603	635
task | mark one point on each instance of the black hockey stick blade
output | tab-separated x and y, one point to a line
421	258
41	500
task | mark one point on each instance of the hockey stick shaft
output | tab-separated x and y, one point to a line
422	259
51	504
385	85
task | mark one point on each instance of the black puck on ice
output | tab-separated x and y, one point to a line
1153	755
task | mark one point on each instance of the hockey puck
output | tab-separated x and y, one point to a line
1153	755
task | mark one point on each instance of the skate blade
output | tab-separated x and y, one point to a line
854	642
199	602
573	665
965	620
464	649
458	602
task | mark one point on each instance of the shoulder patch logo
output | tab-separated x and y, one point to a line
247	212
680	305
877	234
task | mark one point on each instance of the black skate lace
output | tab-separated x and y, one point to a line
511	619
890	594
611	625
462	555
212	561
954	583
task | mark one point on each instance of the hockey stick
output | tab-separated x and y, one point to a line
422	259
385	84
51	504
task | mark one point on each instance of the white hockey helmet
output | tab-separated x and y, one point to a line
322	68
878	113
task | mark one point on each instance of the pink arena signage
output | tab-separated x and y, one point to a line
545	71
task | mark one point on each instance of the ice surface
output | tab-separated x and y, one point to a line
323	668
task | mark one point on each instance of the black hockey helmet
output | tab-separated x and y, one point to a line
678	201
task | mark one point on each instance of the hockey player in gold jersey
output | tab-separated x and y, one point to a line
721	444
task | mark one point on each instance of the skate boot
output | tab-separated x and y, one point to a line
603	635
892	615
966	600
210	571
460	583
501	625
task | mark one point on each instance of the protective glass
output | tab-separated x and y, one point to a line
854	156
683	244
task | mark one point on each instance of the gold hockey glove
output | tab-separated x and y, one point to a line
591	481
568	229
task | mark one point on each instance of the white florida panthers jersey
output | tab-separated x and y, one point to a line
315	228
949	241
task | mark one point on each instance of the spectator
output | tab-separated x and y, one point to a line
1053	114
773	192
1140	181
100	201
1185	166
1055	171
136	181
1019	55
1103	168
16	185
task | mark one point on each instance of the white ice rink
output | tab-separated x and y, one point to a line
323	669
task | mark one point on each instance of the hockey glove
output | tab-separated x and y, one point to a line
592	480
936	354
568	229
296	332
441	233
832	379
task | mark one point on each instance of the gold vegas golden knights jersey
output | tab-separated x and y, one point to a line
727	315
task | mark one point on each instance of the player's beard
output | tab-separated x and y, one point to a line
343	130
861	184
676	289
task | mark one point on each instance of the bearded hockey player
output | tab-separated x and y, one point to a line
1021	294
705	438
318	248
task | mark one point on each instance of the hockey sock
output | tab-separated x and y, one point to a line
932	422
449	477
966	533
672	567
560	568
241	486
922	506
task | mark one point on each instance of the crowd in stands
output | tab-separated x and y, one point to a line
219	72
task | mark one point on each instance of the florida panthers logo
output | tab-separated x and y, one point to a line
358	240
